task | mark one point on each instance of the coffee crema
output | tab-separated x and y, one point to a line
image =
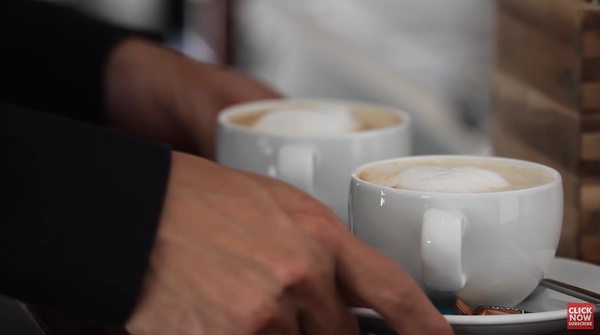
455	175
315	119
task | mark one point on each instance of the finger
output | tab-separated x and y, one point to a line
242	88
376	281
324	312
287	322
334	318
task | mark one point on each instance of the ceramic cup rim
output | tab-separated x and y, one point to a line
247	107
556	176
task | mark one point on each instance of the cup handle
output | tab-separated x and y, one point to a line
296	166
441	245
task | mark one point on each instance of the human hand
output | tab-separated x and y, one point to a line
156	93
237	253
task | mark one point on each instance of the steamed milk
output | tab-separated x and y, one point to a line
456	175
315	119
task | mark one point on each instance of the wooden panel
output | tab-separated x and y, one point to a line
590	96
537	120
558	18
547	104
555	71
589	16
590	122
590	69
590	244
589	171
590	146
591	44
590	197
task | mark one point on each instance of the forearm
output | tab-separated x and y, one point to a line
80	209
156	93
143	81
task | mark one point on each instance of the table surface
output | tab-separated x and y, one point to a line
61	324
18	319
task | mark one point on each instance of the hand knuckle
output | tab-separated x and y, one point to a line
296	271
328	232
308	275
441	328
263	313
396	298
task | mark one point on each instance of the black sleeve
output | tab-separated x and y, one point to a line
52	58
79	209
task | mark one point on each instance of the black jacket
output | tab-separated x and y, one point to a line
79	203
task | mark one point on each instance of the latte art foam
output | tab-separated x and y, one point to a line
441	179
457	175
314	121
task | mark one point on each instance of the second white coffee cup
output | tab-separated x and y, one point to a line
319	163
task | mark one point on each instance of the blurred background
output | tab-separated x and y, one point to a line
432	59
521	76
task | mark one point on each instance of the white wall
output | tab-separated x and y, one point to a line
431	58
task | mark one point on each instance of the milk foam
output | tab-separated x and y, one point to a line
309	121
441	179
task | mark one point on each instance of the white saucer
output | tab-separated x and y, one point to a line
549	307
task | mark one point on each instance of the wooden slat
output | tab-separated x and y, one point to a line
547	104
590	30
589	171
590	197
590	122
589	249
538	60
590	147
589	17
590	69
590	44
532	117
558	18
590	96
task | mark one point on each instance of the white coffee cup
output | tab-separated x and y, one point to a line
487	246
317	163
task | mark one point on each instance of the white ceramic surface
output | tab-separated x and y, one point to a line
548	306
317	164
489	248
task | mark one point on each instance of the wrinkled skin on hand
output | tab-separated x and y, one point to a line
237	253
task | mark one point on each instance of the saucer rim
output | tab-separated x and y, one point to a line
493	320
483	320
